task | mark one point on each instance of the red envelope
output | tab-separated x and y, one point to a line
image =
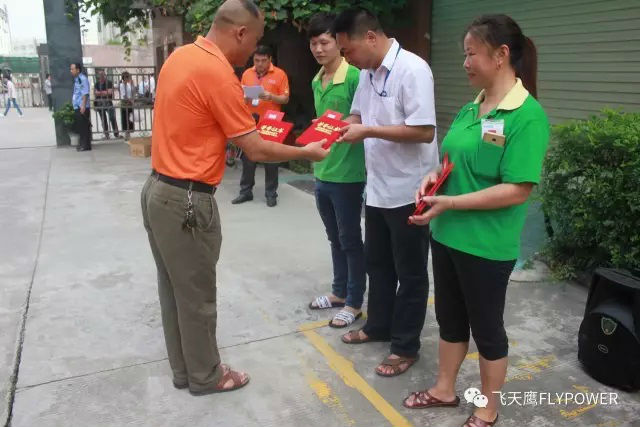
273	115
274	130
323	128
446	171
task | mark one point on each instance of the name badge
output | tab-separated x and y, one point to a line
494	138
492	126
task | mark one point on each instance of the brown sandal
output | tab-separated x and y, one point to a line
227	374
395	365
354	338
479	422
424	399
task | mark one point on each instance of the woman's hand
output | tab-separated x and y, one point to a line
437	204
427	182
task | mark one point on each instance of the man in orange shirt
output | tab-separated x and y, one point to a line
199	106
275	83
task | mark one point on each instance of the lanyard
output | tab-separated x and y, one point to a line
384	85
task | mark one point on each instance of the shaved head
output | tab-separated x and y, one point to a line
236	29
237	12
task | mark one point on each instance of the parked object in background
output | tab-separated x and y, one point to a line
609	338
140	147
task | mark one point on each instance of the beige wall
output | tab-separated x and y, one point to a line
114	56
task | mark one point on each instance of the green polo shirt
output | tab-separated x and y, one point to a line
345	162
492	234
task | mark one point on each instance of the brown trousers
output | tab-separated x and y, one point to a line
186	263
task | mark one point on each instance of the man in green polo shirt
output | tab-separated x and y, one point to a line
340	178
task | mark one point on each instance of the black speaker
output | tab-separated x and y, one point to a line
609	337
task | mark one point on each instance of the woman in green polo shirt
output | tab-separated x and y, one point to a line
497	143
340	178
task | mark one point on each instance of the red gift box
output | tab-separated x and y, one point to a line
323	128
274	130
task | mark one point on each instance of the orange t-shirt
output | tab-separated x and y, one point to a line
275	82
199	106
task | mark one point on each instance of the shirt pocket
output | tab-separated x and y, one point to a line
488	159
387	111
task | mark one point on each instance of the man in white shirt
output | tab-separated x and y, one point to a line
12	94
393	111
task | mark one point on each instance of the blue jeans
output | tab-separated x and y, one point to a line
340	206
15	104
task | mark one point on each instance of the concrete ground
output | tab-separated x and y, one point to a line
81	325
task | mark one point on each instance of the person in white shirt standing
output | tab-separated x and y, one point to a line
394	112
12	94
48	90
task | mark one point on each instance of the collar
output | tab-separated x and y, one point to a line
339	77
512	100
212	48
270	70
392	54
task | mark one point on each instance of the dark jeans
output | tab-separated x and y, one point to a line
83	127
50	102
470	293
126	117
248	179
108	114
396	252
340	205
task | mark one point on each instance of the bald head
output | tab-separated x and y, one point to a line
236	29
237	12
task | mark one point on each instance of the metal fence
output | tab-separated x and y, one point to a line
29	90
127	110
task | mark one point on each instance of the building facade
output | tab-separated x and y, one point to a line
588	54
5	31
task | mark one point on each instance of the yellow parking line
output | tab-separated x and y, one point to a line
344	368
313	325
328	397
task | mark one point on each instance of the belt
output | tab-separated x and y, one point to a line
200	187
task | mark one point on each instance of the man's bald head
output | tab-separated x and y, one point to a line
237	12
237	28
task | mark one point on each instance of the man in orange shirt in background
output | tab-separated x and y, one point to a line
276	94
199	106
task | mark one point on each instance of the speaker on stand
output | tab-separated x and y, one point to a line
609	337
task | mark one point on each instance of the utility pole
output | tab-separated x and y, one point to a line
65	48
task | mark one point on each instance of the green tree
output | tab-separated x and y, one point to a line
130	15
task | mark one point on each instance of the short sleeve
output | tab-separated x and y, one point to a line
356	108
525	151
284	84
84	86
417	97
230	111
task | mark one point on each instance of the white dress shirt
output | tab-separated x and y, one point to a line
395	169
126	91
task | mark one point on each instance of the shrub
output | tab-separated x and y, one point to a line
591	192
66	115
